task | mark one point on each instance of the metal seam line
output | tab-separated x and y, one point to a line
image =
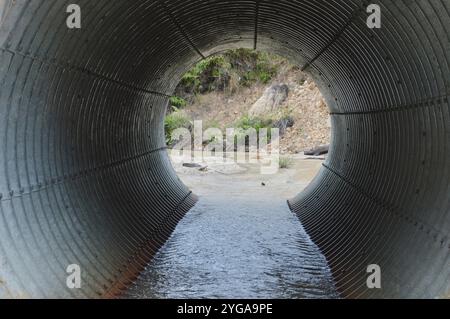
73	177
432	102
82	70
178	25
379	203
255	44
333	40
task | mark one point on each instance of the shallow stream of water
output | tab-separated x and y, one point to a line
237	247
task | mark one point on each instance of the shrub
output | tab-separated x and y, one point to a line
265	77
285	162
212	124
177	102
173	122
256	123
204	75
253	66
266	67
215	73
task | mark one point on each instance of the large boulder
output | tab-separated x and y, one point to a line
271	100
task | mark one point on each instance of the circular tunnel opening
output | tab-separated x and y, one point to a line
237	129
85	178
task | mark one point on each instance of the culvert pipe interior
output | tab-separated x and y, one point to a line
84	173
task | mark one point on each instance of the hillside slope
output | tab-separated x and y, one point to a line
223	96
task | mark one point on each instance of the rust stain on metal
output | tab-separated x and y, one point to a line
132	272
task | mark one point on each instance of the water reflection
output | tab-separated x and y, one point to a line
237	248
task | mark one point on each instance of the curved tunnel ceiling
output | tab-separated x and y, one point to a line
85	177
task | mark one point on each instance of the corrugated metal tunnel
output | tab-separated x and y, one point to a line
85	177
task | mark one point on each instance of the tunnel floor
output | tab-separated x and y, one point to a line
240	243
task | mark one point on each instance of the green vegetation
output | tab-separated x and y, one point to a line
177	103
205	76
286	162
280	121
246	123
212	124
173	122
253	66
241	67
224	73
256	123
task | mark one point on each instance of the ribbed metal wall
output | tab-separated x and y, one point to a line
85	178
